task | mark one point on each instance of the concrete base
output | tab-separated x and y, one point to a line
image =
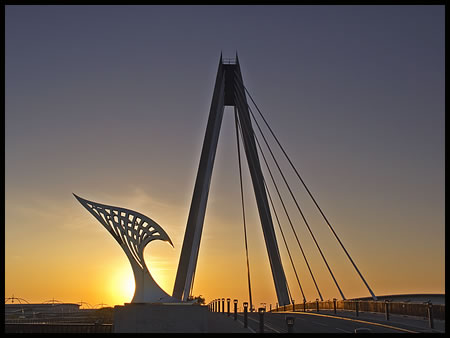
157	317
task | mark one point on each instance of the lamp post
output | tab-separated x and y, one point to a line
386	308
290	323
261	312
245	313
430	314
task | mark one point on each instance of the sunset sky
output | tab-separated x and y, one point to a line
111	103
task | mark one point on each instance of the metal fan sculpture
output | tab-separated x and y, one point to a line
133	231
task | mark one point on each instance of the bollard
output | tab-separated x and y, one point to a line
228	307
386	308
317	304
223	305
270	307
290	323
304	305
245	313
218	305
261	311
293	305
430	314
235	301
357	308
276	307
334	301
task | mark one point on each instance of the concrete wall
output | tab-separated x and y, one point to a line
167	318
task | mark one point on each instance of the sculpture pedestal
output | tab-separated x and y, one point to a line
157	317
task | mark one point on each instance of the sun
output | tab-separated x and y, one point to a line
128	286
122	285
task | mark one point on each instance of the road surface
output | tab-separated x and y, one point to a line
310	322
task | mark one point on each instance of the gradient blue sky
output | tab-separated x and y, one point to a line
111	103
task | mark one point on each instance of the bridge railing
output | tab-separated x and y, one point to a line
400	308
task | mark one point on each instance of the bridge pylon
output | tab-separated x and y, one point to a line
229	90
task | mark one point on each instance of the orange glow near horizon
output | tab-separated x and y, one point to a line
122	285
99	271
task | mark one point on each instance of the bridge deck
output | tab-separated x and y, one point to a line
324	322
221	323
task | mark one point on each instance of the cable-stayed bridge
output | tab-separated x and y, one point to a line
256	142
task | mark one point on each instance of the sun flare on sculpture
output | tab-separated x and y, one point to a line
121	283
133	231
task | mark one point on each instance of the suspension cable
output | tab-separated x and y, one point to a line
282	234
299	209
284	240
312	197
288	217
245	137
243	207
295	200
